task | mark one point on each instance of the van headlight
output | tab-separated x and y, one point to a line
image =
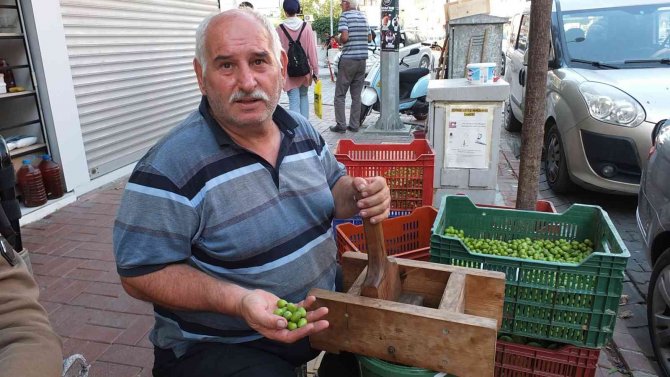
611	105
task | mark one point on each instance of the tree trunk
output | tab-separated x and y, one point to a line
532	134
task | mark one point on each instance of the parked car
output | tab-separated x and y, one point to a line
608	84
653	219
410	39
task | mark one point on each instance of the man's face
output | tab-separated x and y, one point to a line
345	5
243	80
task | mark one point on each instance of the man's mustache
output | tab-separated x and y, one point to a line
256	94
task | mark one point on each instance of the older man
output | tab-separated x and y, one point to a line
354	37
232	210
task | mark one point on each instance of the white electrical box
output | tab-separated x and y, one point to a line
464	130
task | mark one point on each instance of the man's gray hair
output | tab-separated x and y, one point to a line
353	4
201	35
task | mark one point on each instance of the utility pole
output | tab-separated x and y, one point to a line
532	134
389	119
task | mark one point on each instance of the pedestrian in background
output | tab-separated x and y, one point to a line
299	31
353	39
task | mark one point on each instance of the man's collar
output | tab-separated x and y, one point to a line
282	119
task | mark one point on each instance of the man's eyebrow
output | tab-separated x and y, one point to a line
259	54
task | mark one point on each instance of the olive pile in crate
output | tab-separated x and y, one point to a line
544	250
406	184
530	342
294	314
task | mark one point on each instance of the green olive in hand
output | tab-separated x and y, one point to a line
296	317
294	314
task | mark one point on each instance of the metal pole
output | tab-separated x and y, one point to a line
331	17
389	119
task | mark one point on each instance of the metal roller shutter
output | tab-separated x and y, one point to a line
132	70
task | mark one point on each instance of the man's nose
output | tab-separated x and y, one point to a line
246	78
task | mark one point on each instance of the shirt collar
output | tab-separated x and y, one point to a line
281	117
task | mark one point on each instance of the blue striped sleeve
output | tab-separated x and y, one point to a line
154	226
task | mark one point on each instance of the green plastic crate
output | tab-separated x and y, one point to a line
565	302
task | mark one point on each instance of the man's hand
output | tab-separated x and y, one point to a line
373	198
256	308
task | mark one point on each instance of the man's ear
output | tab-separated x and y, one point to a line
198	74
284	64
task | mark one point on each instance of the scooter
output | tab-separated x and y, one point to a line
413	89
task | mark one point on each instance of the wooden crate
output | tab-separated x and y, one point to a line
454	331
464	8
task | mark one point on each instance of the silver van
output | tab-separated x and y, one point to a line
608	84
653	219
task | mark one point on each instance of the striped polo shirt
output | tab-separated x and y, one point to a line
355	23
197	197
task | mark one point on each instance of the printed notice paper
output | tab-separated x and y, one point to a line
468	136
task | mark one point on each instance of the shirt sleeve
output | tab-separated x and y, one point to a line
343	25
155	224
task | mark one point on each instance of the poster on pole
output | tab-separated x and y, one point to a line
390	28
468	132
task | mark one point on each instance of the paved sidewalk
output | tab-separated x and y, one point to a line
72	258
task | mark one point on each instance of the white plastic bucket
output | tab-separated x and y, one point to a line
480	73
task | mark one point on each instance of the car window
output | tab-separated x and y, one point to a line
410	38
618	34
403	39
514	32
522	41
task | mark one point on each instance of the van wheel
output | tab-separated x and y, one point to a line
555	167
658	308
365	111
511	123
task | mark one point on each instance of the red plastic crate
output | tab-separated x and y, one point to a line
518	360
408	168
404	236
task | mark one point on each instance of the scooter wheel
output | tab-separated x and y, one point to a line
420	116
365	111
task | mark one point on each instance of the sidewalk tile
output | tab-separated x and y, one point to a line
134	334
90	350
128	355
96	333
105	369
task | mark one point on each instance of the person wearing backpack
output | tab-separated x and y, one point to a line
297	39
